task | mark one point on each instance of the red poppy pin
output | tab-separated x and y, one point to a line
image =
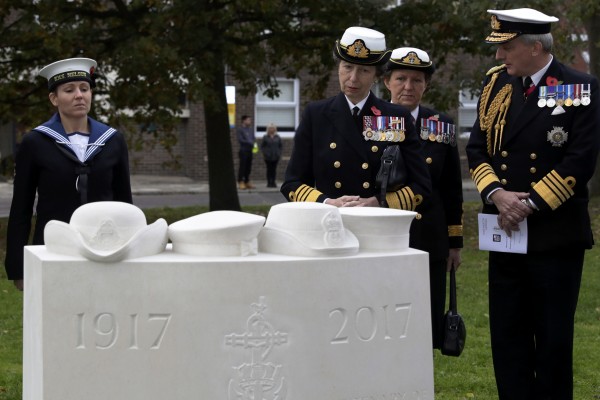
552	81
375	111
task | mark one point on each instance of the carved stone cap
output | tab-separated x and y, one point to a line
307	230
106	231
217	233
379	229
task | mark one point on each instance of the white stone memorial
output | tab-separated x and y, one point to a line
293	323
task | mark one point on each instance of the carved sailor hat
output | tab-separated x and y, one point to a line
410	58
106	231
362	46
217	233
69	70
509	24
379	229
306	229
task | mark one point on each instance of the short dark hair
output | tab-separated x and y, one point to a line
245	117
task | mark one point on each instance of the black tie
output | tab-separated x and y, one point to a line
528	86
355	111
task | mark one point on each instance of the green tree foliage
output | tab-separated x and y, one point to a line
154	53
151	52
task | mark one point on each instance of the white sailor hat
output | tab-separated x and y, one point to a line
410	58
106	231
377	228
508	24
362	46
217	234
71	69
306	229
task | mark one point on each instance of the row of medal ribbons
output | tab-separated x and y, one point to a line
564	95
384	128
438	131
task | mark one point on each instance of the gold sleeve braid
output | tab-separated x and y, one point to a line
483	176
554	189
305	193
494	116
455	230
403	199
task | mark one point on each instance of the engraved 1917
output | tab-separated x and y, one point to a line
104	330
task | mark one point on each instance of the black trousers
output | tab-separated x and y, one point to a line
437	292
245	166
533	298
271	170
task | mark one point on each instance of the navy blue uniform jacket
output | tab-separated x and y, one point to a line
42	166
331	158
549	153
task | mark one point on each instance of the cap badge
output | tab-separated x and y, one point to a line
412	58
358	49
495	23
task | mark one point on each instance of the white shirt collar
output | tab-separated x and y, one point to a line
537	77
360	104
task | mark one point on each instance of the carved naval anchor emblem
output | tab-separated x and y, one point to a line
257	379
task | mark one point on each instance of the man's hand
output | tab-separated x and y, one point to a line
19	284
511	209
353	201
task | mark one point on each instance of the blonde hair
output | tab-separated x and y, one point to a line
272	126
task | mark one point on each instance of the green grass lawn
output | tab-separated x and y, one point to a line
469	376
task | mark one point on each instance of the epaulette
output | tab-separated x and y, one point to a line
495	69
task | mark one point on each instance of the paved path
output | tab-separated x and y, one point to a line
151	191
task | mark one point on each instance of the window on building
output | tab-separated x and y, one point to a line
282	110
467	112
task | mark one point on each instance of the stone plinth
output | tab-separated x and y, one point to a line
177	326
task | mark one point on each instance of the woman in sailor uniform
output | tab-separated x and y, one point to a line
68	161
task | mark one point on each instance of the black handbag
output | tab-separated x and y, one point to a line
455	332
392	171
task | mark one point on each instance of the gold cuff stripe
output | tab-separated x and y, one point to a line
307	193
483	176
403	199
455	230
555	190
392	200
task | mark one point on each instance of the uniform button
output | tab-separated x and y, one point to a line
533	156
418	216
532	170
338	185
428	160
471	170
366	185
503	167
504	153
332	145
365	165
337	164
374	149
532	184
503	181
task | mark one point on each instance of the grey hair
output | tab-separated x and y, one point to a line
545	39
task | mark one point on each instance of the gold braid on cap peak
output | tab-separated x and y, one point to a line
494	116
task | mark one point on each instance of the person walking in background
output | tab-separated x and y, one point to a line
531	153
69	160
337	152
437	229
271	149
245	136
